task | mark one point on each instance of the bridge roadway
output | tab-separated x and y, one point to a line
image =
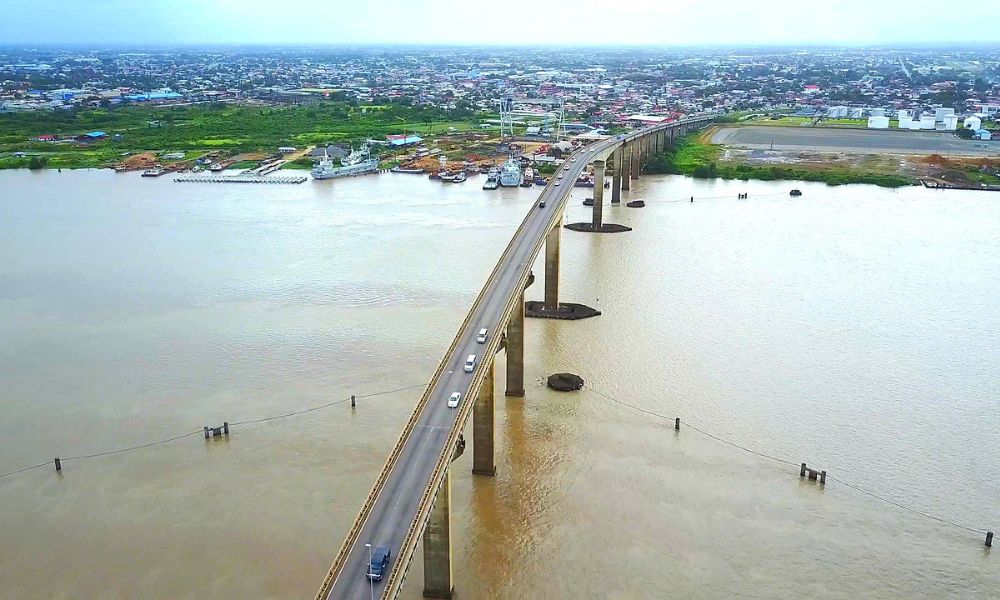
398	504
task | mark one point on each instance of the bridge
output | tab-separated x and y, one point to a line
412	494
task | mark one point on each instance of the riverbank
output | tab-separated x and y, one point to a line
695	156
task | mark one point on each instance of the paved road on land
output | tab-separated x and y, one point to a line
399	501
830	139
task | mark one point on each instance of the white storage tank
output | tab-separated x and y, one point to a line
949	122
878	122
905	122
927	121
878	112
941	113
972	123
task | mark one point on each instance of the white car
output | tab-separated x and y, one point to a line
454	399
566	168
560	176
557	182
574	158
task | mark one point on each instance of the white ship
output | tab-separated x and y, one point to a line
358	162
510	173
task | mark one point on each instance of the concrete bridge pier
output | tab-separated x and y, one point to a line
636	160
515	348
483	432
626	164
599	166
552	263
437	545
616	178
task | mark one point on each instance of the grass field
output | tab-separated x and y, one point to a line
201	128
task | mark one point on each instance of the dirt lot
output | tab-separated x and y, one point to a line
868	141
934	167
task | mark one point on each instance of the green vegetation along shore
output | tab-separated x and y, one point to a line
692	155
201	128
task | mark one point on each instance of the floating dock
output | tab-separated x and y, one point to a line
242	179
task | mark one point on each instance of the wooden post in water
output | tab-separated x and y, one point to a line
822	477
989	534
677	424
225	427
206	432
802	471
59	468
352	400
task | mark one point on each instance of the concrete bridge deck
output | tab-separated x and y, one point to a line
399	505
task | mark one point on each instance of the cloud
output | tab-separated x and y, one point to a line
584	22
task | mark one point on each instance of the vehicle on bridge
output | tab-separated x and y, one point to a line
378	563
454	399
481	337
542	203
470	364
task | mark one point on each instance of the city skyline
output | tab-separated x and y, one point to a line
104	23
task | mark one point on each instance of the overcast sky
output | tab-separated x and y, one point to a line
105	23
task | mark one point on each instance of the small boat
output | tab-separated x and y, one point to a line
588	202
795	193
459	177
154	172
406	170
216	167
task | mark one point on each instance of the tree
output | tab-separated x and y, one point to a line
36	162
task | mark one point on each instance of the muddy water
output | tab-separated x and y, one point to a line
854	329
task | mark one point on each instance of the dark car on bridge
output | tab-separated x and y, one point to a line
379	563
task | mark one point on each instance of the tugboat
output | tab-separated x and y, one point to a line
529	176
492	179
795	192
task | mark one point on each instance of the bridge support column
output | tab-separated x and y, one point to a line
482	426
616	178
437	545
626	164
599	166
636	160
552	264
515	349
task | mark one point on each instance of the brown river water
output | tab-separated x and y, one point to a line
855	328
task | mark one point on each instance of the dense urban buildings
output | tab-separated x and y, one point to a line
598	86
